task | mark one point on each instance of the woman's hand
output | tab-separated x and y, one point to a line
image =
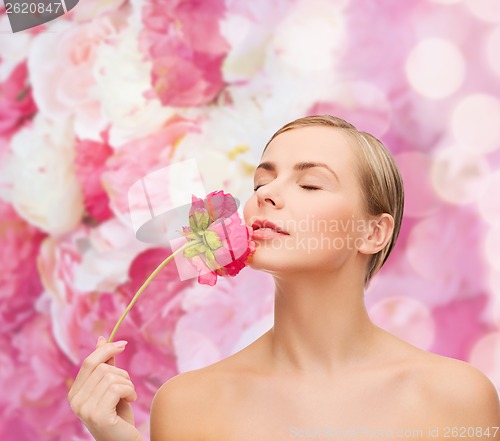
101	395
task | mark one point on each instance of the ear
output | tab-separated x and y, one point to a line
377	234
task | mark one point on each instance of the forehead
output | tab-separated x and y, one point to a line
313	143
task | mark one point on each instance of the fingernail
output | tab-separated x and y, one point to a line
120	344
100	339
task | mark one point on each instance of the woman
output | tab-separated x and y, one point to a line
326	213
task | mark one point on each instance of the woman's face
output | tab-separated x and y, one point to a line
319	207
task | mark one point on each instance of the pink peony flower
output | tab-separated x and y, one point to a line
83	274
20	284
16	101
57	263
61	66
187	50
163	301
155	151
92	9
90	160
231	248
39	178
35	376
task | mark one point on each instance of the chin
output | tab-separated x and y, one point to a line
274	261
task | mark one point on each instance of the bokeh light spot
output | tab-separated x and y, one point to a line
435	68
309	36
447	2
487	10
405	317
489	200
457	176
475	123
493	50
492	247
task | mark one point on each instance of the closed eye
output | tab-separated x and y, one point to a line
305	187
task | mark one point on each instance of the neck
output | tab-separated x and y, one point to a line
321	324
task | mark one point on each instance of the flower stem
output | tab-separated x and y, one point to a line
146	283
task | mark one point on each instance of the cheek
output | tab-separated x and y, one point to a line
334	215
249	210
336	229
324	219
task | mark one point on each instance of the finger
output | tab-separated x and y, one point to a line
101	341
102	378
101	355
94	404
111	361
114	394
107	383
113	391
103	372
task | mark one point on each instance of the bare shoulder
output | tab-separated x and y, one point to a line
179	407
439	391
457	391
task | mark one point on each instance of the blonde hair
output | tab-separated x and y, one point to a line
379	177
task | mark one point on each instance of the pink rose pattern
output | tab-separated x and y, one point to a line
184	42
236	249
90	163
443	274
16	101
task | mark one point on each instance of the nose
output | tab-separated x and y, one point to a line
267	195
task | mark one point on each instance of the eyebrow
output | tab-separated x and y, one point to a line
298	167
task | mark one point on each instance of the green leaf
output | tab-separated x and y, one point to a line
212	240
193	237
204	240
190	236
194	250
199	220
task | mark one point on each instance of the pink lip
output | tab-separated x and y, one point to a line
263	223
266	234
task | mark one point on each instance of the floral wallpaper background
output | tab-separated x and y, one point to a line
114	90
